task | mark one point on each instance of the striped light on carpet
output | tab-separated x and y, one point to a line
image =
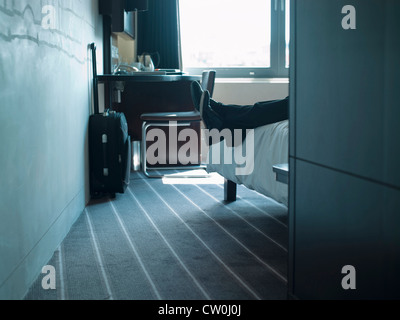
173	239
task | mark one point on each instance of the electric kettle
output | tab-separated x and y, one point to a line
147	62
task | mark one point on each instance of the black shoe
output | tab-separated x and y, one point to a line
210	118
196	91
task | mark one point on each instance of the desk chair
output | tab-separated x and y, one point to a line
179	119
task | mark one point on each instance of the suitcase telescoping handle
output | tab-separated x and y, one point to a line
95	82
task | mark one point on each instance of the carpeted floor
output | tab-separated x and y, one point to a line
173	239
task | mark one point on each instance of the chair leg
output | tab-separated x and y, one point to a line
144	149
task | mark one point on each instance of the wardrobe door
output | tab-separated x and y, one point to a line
344	148
342	220
341	86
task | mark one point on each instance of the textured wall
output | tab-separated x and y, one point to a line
45	101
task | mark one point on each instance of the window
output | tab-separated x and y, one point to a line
237	38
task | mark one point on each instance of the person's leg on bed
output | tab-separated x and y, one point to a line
212	120
243	116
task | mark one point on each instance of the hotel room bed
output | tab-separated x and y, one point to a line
271	147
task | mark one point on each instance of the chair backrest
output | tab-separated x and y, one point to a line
208	81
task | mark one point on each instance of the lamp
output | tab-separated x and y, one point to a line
136	5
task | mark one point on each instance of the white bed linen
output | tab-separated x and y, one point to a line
271	147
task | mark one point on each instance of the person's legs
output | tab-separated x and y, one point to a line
240	116
252	116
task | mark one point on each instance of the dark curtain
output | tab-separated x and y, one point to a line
158	33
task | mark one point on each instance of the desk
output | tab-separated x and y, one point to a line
147	78
149	93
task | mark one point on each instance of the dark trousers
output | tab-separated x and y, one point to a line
252	116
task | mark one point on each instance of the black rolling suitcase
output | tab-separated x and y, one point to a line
109	147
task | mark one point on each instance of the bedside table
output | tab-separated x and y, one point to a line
282	172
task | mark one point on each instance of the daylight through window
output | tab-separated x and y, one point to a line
237	39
